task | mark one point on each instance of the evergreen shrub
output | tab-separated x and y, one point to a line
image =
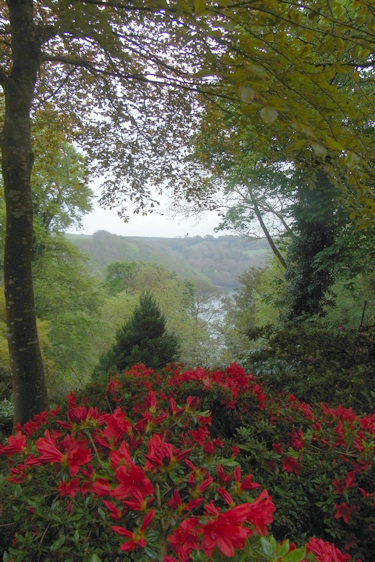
142	339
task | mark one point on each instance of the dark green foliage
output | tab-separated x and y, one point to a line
317	364
308	280
143	339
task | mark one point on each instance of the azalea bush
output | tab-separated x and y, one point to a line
316	363
146	469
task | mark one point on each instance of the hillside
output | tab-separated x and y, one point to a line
219	261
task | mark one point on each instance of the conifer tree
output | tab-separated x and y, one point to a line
142	339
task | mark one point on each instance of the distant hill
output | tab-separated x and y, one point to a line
219	261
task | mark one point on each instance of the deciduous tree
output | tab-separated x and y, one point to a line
103	63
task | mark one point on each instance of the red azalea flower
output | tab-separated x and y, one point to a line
117	425
160	453
113	386
32	425
207	481
121	456
291	465
138	501
192	504
69	488
191	403
181	455
277	448
129	480
224	478
32	461
18	474
348	482
225	531
235	450
365	494
190	465
174	501
226	496
260	513
100	487
71	400
80	415
297	439
78	454
150	401
49	452
325	552
345	511
199	435
114	511
246	484
137	537
55	412
208	448
16	445
185	538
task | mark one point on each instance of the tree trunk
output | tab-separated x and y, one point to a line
29	385
270	241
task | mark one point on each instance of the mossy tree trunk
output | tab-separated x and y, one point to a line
29	385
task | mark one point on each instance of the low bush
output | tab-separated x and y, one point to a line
316	364
148	468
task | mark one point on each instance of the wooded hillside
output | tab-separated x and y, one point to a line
219	261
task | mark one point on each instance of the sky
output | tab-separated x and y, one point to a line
153	225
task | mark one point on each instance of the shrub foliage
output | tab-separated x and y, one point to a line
189	465
316	363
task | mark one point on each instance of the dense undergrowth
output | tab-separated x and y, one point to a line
316	363
190	465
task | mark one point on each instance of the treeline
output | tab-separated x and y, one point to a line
217	260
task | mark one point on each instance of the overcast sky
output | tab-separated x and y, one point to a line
154	225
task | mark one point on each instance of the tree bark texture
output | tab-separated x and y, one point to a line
29	385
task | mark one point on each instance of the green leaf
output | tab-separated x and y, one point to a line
269	548
93	558
297	145
152	554
319	150
102	513
227	462
58	543
334	145
352	160
199	6
268	114
283	549
247	94
296	555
